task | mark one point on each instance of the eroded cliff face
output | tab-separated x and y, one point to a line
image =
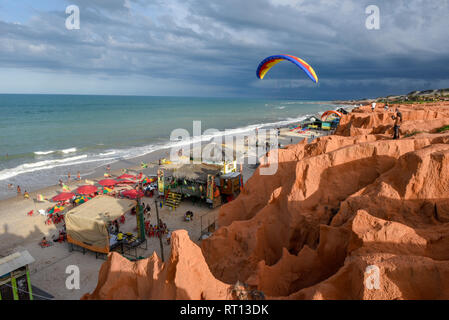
333	208
184	276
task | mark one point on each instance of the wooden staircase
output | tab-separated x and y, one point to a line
173	200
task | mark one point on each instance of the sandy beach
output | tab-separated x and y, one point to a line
22	232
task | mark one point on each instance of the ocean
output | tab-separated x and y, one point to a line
43	137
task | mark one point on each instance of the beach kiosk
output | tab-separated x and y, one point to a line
15	283
87	224
230	184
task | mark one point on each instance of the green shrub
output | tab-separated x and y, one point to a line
412	134
443	129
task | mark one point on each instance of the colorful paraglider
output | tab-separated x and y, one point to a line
331	115
269	62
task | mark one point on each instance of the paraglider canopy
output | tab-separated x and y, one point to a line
331	114
269	62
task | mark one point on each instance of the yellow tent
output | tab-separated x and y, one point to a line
87	223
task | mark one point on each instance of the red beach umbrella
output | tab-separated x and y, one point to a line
132	194
127	176
108	182
127	181
86	189
63	196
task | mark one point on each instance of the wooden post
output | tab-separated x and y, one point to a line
159	228
29	284
14	288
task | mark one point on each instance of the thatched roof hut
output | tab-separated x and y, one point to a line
192	172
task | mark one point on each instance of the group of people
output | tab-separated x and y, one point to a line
78	177
61	237
158	230
26	195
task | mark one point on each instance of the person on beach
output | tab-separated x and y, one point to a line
397	121
26	195
44	242
108	168
78	176
60	182
148	208
68	177
19	191
10	186
168	236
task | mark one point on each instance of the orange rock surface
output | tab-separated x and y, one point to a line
336	206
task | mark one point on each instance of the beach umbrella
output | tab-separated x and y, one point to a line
127	181
86	190
63	196
127	176
132	194
146	180
106	190
108	182
81	199
55	209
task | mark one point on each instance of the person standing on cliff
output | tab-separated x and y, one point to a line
397	122
373	106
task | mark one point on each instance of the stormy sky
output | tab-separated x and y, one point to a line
213	48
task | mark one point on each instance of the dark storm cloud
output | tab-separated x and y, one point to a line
218	44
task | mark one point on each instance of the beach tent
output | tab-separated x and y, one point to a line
87	223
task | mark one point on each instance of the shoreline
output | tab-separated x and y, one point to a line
134	162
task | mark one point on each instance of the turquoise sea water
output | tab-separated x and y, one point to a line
42	137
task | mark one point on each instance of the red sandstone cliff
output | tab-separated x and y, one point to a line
334	207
